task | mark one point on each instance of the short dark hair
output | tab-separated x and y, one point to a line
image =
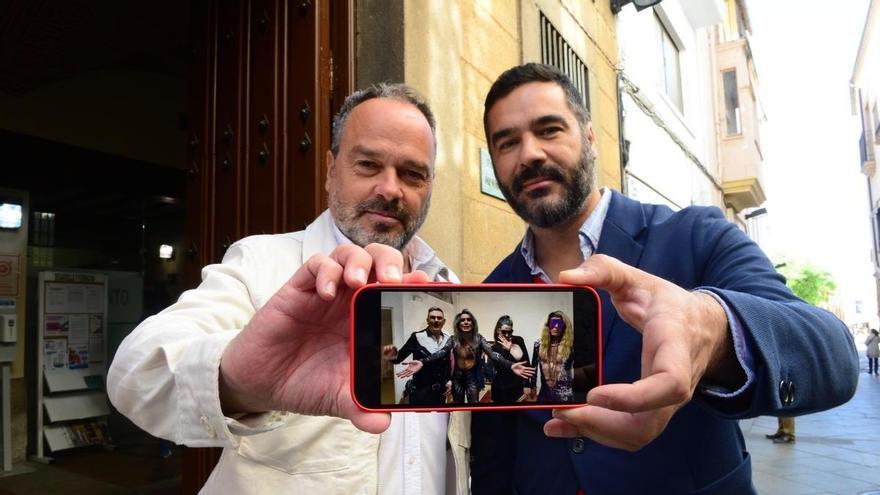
517	76
435	308
394	91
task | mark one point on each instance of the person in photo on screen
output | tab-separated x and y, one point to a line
466	347
552	358
507	387
430	386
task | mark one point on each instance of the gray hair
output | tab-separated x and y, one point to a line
394	91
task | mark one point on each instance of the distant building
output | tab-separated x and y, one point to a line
865	87
691	112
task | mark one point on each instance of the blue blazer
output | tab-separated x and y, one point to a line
804	361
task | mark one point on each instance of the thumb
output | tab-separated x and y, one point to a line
372	422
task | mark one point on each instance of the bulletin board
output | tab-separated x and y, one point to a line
72	360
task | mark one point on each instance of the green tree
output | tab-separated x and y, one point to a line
808	282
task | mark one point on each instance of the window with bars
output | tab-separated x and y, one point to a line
557	52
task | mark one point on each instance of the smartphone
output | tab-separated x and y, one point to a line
445	347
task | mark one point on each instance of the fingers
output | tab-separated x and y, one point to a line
412	367
627	416
320	273
351	265
527	370
389	351
557	428
603	272
347	264
356	262
416	277
615	429
653	392
522	370
387	262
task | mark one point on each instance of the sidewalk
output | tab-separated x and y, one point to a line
836	452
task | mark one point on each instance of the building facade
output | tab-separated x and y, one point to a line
865	94
451	52
691	111
231	103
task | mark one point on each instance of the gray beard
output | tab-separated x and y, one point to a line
347	220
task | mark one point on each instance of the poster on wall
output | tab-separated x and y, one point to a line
96	337
78	356
56	325
8	275
74	298
55	354
79	329
94	295
56	298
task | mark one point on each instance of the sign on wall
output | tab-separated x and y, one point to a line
488	183
8	275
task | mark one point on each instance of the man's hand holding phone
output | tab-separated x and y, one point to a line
293	355
685	337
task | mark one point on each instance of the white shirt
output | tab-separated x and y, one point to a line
164	378
412	452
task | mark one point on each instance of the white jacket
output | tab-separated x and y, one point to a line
164	377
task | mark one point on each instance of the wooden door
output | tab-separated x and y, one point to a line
265	78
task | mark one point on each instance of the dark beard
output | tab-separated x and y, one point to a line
578	184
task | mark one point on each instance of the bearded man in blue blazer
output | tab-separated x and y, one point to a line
698	328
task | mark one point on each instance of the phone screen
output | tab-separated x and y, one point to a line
435	347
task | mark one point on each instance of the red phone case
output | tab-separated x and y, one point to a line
483	288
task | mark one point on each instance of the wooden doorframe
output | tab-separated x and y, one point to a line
313	73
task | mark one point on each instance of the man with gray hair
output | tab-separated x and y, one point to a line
256	359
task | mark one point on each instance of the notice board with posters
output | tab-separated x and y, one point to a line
71	360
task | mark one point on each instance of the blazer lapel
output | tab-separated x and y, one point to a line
620	239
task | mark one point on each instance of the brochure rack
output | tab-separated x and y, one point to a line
71	361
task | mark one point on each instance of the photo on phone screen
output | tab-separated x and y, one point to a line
454	346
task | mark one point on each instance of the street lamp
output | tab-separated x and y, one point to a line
756	213
616	5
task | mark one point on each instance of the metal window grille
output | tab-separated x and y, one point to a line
557	52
